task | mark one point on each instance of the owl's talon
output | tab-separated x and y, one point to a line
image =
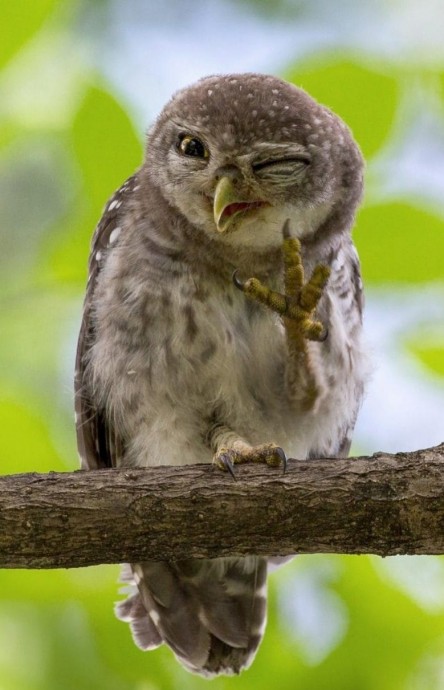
283	457
324	335
238	283
268	453
224	462
228	465
273	455
316	331
286	233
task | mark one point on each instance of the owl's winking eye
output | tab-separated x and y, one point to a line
189	145
284	165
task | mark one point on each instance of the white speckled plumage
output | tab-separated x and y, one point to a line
169	347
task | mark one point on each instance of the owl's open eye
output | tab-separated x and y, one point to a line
189	145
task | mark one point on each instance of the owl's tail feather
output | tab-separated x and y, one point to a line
211	613
144	631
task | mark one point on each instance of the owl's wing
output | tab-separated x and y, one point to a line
97	443
355	313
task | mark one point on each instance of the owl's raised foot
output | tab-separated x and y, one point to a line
268	453
298	305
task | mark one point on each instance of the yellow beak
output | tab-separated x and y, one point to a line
225	194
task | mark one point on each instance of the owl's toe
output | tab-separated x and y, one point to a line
272	455
268	453
224	459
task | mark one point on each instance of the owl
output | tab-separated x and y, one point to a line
223	324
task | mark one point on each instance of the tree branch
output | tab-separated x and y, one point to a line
384	504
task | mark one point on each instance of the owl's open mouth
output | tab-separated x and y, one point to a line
238	207
228	203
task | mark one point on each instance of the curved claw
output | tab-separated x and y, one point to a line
323	337
286	230
281	453
318	336
238	283
226	463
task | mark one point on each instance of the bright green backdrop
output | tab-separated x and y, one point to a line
58	165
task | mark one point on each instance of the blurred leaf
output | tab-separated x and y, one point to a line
106	145
365	99
36	191
21	19
64	257
34	332
377	613
277	9
107	150
26	443
9	132
51	648
398	243
430	356
36	380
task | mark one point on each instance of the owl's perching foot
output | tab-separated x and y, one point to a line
225	457
298	305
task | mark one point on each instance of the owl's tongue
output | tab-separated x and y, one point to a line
235	207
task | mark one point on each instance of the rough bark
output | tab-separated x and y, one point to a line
384	504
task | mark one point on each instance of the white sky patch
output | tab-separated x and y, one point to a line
20	630
403	408
149	50
429	671
422	579
412	164
313	615
44	83
160	52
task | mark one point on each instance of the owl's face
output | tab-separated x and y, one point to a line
237	155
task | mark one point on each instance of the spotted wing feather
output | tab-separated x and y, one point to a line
97	443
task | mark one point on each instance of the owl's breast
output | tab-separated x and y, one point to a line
233	356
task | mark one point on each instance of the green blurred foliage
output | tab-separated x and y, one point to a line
57	629
399	243
101	125
366	99
21	19
433	358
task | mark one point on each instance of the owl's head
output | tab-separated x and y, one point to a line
238	154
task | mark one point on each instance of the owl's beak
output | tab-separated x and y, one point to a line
228	204
224	196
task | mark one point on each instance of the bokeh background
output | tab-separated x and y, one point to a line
80	81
